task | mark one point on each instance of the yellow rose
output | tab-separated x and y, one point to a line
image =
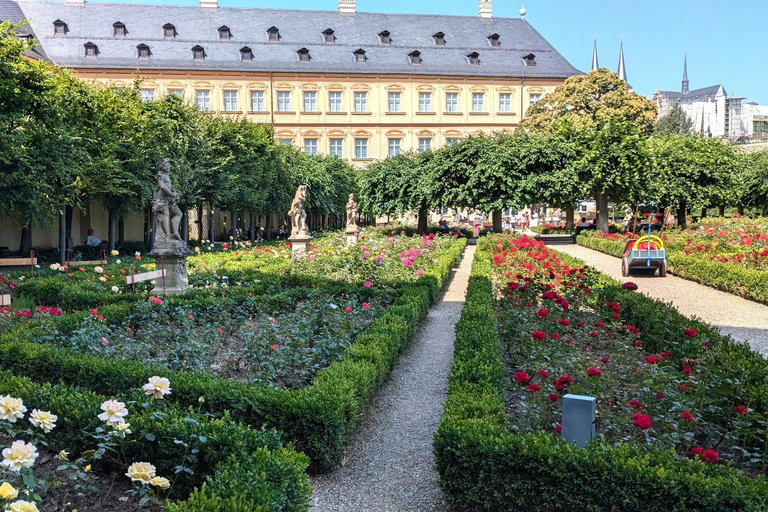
7	491
19	455
160	482
63	455
87	468
43	420
23	506
141	472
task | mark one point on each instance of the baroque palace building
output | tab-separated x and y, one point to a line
360	86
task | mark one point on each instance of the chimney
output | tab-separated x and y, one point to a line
485	9
209	4
75	3
347	6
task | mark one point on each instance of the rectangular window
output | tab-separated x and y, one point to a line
230	101
361	148
334	101
452	102
310	146
286	142
147	95
176	92
478	100
394	147
451	142
257	101
283	101
361	102
505	103
394	102
310	102
337	148
534	98
425	102
425	144
203	100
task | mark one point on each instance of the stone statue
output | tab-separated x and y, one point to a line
297	213
167	213
351	213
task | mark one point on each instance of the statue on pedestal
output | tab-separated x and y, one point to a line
351	213
167	213
297	213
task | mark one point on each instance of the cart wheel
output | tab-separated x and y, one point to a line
624	267
663	269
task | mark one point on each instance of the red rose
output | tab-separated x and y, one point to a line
538	335
709	456
706	344
740	409
696	450
629	285
690	332
687	416
604	360
665	355
635	404
553	397
559	428
651	359
638	344
274	347
600	324
642	421
687	370
570	342
593	334
683	387
533	388
615	316
579	324
542	313
594	372
555	336
348	309
543	373
366	305
565	322
659	395
522	378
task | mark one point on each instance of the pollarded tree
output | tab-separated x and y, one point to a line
607	121
675	121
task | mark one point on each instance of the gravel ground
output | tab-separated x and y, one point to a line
389	466
744	320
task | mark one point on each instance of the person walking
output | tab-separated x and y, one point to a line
477	223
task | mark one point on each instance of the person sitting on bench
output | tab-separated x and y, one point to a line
95	243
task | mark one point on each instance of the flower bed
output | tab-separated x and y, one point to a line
680	407
551	229
729	255
330	377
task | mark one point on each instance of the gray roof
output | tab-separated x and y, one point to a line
695	95
298	29
10	11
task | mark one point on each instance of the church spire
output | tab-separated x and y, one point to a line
622	69
685	75
595	65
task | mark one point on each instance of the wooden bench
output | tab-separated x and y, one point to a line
20	262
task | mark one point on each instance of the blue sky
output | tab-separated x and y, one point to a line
727	42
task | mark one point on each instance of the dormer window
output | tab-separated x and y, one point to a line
439	39
493	39
224	33
246	54
169	31
328	36
414	57
198	53
90	49
474	59
59	28
143	51
384	37
529	60
360	55
303	55
118	29
273	34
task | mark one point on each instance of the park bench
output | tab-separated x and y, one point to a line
30	261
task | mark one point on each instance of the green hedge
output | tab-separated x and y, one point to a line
233	464
483	466
319	420
744	282
541	230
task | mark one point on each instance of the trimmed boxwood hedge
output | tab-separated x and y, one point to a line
234	464
319	420
483	466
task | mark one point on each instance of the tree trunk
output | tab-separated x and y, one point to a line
120	231
422	222
25	243
63	239
703	212
601	200
740	210
569	211
681	220
68	213
496	219
112	221
233	225
211	233
721	210
251	228
268	226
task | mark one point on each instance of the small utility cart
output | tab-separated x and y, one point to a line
646	253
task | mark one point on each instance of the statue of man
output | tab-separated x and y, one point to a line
297	214
351	212
167	213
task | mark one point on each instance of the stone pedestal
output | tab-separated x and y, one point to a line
578	418
172	257
299	245
352	236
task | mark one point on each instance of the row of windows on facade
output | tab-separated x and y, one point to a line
336	146
119	29
246	54
203	99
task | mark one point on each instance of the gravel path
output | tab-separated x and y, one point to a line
744	320
389	466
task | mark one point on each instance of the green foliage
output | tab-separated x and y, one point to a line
675	121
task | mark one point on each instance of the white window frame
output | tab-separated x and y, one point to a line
505	103
147	94
478	102
335	101
452	102
361	148
425	144
203	99
283	101
425	102
394	147
394	102
285	142
176	92
337	148
533	99
257	101
310	101
361	102
450	141
310	146
230	101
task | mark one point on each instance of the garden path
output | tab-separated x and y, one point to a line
742	319
389	465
